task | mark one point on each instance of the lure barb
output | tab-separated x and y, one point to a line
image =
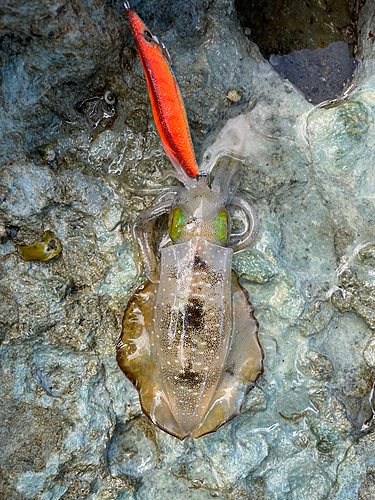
166	101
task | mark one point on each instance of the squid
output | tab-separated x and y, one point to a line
189	340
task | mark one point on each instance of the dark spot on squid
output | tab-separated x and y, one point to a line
199	263
190	377
194	311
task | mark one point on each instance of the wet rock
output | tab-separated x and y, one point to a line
355	474
8	315
72	424
356	287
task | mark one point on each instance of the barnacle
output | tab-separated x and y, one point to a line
44	250
234	96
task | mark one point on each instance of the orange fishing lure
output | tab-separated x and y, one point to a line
166	101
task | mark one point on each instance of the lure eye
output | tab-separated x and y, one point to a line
148	36
176	223
222	226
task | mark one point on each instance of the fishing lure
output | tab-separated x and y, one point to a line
189	342
166	101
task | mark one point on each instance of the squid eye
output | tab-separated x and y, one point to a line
222	227
148	36
176	223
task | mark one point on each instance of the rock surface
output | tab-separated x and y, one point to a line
77	132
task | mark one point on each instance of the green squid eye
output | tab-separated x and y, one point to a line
176	223
222	226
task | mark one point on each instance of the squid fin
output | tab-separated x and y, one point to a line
243	366
138	360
